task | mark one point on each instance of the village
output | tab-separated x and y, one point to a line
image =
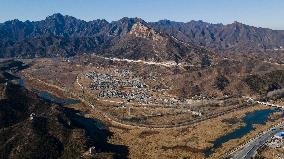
123	85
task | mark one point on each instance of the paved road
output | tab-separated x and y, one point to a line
249	150
249	99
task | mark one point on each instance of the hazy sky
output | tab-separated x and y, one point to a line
264	13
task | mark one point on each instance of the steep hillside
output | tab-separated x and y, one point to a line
235	35
66	36
143	42
31	127
133	38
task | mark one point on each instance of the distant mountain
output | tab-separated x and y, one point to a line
219	36
57	35
60	35
132	38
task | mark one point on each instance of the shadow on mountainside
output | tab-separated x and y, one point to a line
52	131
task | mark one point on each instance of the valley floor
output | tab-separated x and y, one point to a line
190	140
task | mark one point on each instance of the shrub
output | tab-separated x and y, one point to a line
221	82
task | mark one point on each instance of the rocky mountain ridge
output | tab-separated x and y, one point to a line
132	38
222	36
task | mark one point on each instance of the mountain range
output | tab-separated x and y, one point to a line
221	36
132	38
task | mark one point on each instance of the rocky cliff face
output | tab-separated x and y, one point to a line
143	42
142	31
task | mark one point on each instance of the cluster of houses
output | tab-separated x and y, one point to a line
129	96
277	140
141	97
113	86
107	81
109	86
123	73
99	76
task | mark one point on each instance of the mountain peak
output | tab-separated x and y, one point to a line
99	35
239	24
141	30
127	20
14	22
55	16
236	22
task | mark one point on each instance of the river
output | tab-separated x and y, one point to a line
255	117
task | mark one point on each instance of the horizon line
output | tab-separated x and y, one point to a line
110	21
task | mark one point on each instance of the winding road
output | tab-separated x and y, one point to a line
165	64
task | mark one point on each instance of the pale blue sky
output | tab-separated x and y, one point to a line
264	13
